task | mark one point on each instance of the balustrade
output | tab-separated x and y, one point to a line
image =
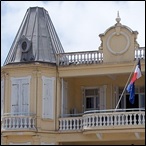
90	57
102	120
87	57
14	122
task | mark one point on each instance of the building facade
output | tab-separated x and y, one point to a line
49	97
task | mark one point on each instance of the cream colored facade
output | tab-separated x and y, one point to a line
74	120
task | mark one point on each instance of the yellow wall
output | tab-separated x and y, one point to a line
75	88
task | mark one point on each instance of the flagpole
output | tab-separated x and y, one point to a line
125	86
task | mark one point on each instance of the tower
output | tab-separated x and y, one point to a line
29	76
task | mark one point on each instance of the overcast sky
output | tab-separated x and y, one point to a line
77	23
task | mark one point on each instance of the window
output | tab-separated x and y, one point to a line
94	98
139	99
91	99
20	92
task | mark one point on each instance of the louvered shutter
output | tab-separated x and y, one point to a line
48	97
20	93
102	104
2	97
83	99
116	95
15	94
25	95
51	97
64	97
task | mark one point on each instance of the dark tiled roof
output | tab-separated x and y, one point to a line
36	39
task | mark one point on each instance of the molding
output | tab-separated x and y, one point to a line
16	78
127	45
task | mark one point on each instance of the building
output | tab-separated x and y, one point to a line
52	97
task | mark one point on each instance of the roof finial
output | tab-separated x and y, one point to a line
118	19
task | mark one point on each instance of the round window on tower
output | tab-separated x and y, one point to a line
25	44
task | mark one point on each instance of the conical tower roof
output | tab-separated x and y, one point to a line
36	39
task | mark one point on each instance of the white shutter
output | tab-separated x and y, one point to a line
45	99
15	94
25	95
20	93
102	104
65	86
83	99
2	97
116	95
48	97
51	98
64	98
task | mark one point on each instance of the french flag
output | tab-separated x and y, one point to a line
131	87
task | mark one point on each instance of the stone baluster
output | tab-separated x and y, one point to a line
119	119
77	123
67	124
107	120
104	120
21	122
25	122
123	119
7	123
130	119
139	119
17	122
115	119
143	119
126	119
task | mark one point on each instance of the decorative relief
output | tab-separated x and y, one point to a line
117	33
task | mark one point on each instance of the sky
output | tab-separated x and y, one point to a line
77	23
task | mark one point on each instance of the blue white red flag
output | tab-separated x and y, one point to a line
131	87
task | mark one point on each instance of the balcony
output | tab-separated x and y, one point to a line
104	119
14	122
90	57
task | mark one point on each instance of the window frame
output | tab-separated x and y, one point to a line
95	106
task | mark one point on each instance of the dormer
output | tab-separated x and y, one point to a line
118	43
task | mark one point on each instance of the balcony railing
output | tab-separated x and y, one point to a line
140	53
89	57
18	122
104	120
